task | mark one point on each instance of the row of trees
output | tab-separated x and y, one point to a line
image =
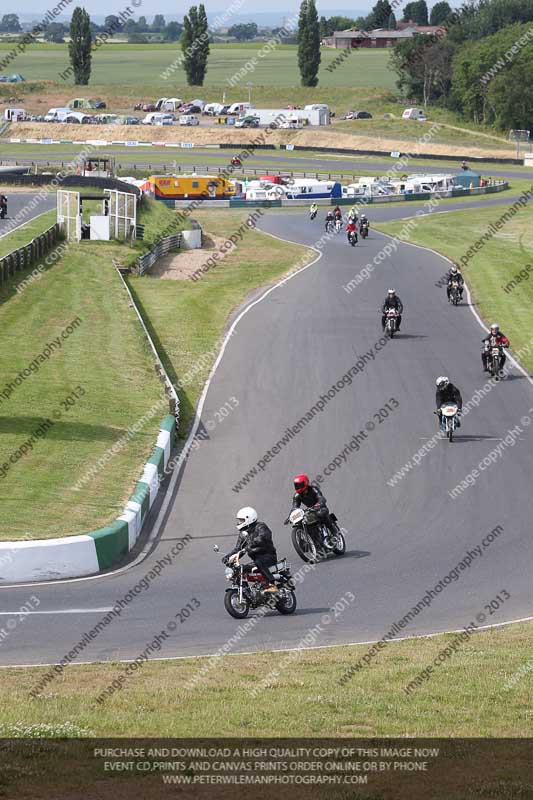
482	69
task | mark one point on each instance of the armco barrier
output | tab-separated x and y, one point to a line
88	554
161	248
40	179
23	257
422	156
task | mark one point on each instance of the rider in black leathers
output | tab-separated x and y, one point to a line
392	301
3	206
455	275
311	496
255	541
448	393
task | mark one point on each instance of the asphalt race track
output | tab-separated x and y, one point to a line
16	201
287	351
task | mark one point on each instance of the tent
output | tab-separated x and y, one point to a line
79	102
467	177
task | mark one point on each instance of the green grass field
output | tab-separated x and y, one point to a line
23	235
480	691
491	269
107	356
142	66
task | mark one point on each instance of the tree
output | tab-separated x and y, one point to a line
173	32
130	26
113	23
416	11
243	31
80	46
424	68
380	15
510	97
486	17
142	24
55	32
327	27
159	24
10	23
308	43
195	45
440	13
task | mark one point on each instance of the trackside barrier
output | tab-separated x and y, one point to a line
102	549
23	257
161	248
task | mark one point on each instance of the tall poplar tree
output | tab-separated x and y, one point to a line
80	46
308	43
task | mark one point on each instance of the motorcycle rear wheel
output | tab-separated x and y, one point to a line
304	545
232	605
287	604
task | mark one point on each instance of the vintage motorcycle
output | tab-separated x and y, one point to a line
312	539
248	585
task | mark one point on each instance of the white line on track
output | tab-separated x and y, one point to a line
58	611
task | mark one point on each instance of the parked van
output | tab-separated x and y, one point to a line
57	114
188	119
168	103
157	118
14	114
238	108
414	113
212	109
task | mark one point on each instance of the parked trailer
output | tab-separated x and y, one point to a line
179	187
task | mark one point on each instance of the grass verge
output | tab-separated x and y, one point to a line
23	235
186	318
481	690
106	355
489	271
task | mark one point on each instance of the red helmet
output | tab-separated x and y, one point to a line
301	482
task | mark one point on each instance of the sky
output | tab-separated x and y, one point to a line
37	8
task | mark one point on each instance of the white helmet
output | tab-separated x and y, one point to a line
442	382
246	516
495	327
391	291
454	268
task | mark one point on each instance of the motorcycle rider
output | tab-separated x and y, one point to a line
329	218
364	220
311	496
352	214
337	213
351	229
392	301
255	541
501	340
313	211
455	275
3	206
447	393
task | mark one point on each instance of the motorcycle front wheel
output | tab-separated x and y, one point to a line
450	431
234	607
287	603
304	545
339	544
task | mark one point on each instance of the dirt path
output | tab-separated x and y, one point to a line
181	266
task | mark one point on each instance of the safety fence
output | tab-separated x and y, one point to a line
161	248
23	257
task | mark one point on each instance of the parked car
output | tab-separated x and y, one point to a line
97	104
247	122
358	115
132	121
188	119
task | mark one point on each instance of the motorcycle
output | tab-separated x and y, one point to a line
236	162
448	420
248	585
455	293
338	225
364	230
494	355
3	208
312	539
330	226
312	214
352	238
391	322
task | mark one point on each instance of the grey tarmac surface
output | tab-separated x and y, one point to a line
16	201
286	352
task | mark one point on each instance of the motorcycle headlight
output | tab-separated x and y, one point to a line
229	573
